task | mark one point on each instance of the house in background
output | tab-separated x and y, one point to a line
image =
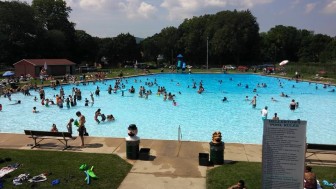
55	67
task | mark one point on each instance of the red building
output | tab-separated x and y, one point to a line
54	67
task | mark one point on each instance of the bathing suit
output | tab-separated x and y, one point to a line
81	131
292	106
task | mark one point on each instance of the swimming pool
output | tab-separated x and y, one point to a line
198	115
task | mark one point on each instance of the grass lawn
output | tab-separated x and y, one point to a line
226	175
110	169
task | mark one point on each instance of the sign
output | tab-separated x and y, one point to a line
283	154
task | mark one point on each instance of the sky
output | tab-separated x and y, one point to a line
144	18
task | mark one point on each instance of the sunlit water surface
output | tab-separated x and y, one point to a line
198	115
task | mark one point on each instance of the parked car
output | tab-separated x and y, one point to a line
242	68
230	67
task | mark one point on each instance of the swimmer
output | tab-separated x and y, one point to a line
264	113
110	117
292	105
34	110
53	128
0	107
35	98
254	102
103	117
174	103
86	102
275	117
92	98
69	125
332	90
225	99
274	100
17	102
97	113
247	99
200	90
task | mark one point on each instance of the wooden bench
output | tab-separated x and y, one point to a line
320	149
39	136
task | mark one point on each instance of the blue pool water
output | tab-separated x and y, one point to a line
198	115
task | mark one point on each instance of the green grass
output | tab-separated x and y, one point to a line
226	175
110	169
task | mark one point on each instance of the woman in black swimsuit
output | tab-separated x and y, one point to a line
292	105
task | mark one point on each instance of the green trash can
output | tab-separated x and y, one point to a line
132	149
217	153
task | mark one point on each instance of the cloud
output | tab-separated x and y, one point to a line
294	3
310	7
180	9
330	8
146	10
90	4
136	9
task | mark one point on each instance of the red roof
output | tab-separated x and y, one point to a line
49	62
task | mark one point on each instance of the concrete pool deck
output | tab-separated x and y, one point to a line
172	164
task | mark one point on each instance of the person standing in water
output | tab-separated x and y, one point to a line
254	102
69	125
275	117
264	113
292	105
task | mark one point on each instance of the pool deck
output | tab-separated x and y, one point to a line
172	164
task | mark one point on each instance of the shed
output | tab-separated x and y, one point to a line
54	67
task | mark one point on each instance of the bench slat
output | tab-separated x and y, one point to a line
321	147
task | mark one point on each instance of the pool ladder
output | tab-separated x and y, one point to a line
179	133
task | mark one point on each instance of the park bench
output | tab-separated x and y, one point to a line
313	149
39	136
321	148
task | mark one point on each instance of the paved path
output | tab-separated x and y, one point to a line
172	164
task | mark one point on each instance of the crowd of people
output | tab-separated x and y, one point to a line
70	100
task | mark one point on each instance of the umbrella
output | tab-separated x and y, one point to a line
283	62
179	56
8	73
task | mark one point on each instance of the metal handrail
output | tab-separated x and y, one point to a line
179	133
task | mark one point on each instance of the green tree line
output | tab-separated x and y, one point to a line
43	30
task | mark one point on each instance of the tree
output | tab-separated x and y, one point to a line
18	31
87	47
192	42
236	38
167	40
284	42
106	50
126	48
329	53
150	47
53	15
